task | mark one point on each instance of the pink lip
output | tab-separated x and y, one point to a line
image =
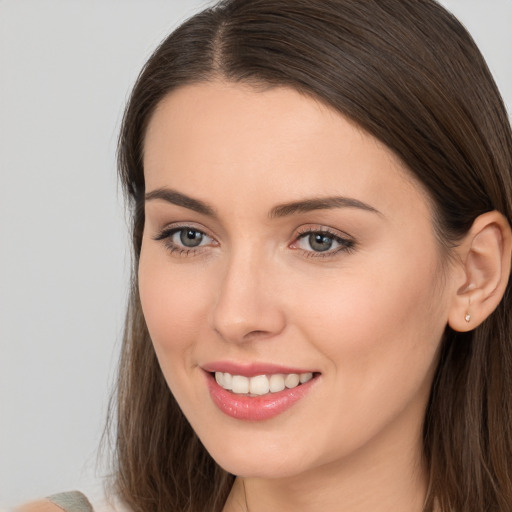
250	370
257	408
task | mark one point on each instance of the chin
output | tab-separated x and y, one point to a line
246	465
260	453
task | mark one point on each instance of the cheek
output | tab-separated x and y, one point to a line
173	303
379	332
378	324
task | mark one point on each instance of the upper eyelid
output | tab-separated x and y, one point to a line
305	230
178	226
299	232
343	238
165	236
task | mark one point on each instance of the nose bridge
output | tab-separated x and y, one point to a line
247	304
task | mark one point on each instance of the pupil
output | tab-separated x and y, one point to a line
320	242
191	238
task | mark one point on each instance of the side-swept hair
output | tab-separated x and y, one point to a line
407	72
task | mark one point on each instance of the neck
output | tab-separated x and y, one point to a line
388	477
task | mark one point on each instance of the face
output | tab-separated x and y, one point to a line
289	255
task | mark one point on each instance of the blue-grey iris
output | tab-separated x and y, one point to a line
320	242
191	237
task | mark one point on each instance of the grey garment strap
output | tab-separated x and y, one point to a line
73	501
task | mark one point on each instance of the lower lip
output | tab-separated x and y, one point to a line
256	408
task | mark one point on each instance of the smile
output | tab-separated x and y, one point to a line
257	396
261	384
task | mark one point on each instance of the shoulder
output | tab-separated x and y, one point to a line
73	501
65	502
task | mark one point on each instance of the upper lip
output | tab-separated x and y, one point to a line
251	369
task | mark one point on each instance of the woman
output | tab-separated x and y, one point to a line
321	197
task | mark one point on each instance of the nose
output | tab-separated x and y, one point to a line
248	302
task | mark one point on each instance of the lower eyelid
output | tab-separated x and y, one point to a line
345	243
167	235
183	251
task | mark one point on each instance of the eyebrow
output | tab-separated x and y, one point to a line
323	203
283	210
179	199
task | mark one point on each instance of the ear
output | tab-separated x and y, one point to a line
485	256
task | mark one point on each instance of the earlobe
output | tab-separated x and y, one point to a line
486	258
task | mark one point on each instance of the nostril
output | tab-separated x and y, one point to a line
256	334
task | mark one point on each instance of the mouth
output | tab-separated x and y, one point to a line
258	397
260	385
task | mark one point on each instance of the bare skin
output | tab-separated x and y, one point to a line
364	309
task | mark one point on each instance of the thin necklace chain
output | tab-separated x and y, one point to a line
245	496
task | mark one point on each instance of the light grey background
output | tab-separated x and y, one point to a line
66	67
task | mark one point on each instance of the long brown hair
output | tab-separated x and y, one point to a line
408	73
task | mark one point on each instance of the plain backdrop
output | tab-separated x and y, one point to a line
66	67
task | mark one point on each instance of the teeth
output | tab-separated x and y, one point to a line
304	377
227	380
277	382
261	384
240	384
292	380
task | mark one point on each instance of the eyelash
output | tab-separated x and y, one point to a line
345	244
178	250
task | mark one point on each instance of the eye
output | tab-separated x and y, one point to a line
321	241
185	240
189	238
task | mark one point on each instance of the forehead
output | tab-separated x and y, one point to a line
277	140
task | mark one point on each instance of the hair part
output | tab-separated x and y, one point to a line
437	107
